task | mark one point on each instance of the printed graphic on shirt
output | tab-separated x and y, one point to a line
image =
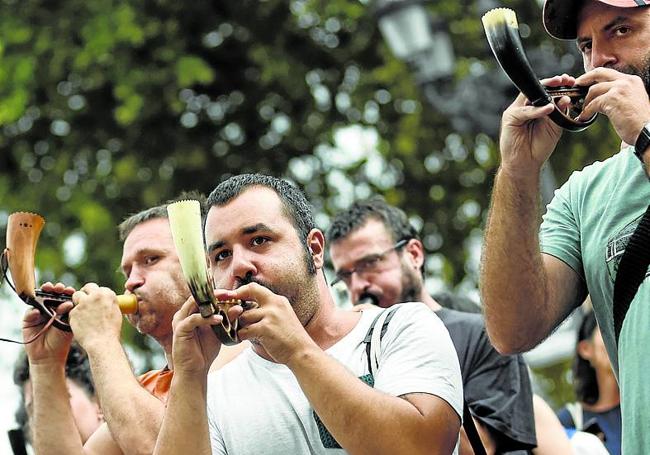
616	247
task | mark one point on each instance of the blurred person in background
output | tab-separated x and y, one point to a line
598	408
83	401
379	256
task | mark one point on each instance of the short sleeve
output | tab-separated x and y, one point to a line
560	231
417	356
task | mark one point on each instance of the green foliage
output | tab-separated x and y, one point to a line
108	107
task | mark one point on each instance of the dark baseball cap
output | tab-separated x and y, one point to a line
561	16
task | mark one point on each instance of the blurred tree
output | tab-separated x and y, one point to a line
108	107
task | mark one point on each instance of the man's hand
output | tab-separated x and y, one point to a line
621	97
195	344
53	345
273	324
528	135
96	316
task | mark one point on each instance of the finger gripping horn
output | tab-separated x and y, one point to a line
502	32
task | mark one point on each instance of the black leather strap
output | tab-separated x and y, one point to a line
472	432
17	441
631	271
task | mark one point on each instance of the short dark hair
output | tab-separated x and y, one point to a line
77	369
584	375
294	203
394	219
159	211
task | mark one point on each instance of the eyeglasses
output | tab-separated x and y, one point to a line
369	264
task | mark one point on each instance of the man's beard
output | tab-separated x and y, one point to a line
411	285
643	72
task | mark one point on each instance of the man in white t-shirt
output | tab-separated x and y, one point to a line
305	385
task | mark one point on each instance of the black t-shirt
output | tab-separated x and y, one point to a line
496	388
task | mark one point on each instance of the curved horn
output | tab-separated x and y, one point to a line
23	231
502	32
185	223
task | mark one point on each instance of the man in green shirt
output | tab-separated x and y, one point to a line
527	290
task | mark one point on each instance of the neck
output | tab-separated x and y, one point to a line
608	392
166	343
428	300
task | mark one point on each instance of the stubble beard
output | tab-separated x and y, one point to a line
643	71
411	285
298	288
154	321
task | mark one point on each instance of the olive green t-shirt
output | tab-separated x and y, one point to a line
588	225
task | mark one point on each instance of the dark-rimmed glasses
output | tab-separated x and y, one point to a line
368	264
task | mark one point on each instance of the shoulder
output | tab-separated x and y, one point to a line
474	321
463	326
623	163
415	314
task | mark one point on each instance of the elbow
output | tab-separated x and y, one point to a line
512	342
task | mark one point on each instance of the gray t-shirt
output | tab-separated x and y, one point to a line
587	226
256	406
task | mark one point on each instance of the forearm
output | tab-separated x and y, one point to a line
185	426
133	415
362	419
54	429
512	273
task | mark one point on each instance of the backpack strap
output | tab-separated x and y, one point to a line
373	350
471	431
631	271
373	338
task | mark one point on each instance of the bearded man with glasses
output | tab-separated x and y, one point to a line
377	253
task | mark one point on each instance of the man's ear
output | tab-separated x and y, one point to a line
414	251
585	349
316	246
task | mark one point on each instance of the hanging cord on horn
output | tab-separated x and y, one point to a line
51	314
47	325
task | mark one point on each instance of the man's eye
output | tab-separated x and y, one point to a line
221	255
369	264
257	241
622	30
151	259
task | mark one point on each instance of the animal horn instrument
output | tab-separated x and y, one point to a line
23	231
502	32
185	222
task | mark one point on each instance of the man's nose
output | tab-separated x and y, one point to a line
358	284
243	267
134	280
602	56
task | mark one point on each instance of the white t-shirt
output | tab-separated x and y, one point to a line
257	407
